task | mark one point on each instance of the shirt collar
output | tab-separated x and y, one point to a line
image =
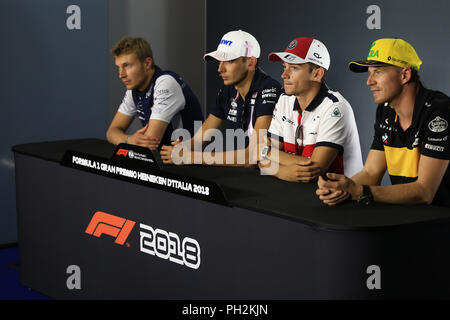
421	97
258	77
323	92
155	76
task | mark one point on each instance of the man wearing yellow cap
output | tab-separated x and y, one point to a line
411	135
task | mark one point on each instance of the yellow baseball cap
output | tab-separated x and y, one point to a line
383	52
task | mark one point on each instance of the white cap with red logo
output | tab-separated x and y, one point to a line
303	50
235	44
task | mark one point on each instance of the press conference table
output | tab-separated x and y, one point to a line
271	239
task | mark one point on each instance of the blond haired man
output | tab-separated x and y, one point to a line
161	100
411	134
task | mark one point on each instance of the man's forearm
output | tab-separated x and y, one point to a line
231	158
284	158
364	178
116	136
407	193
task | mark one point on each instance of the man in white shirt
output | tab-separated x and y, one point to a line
313	130
160	99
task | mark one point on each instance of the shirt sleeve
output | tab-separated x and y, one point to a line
334	126
127	106
436	138
276	128
377	143
217	109
168	99
267	99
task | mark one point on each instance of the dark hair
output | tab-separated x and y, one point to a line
415	77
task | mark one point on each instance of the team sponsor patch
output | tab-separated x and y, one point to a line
336	113
438	124
269	90
438	139
292	45
385	138
162	91
434	148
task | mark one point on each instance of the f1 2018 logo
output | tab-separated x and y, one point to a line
156	242
104	223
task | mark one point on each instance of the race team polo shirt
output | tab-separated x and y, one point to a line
167	98
327	121
259	101
428	135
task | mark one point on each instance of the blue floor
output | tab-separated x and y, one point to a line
10	288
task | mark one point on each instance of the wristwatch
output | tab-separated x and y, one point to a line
366	196
264	152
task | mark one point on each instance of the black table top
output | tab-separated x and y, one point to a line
247	188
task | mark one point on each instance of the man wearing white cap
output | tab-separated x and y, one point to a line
245	102
411	135
313	130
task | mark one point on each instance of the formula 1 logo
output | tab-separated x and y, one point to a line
104	223
122	152
153	241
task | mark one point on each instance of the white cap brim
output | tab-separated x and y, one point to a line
220	56
286	57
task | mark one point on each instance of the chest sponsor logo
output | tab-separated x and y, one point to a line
438	124
385	138
384	127
336	113
416	140
434	148
438	139
284	119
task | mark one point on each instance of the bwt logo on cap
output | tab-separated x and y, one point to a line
104	223
226	42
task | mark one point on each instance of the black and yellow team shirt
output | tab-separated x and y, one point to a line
428	135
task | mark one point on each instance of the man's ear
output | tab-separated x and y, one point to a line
252	62
148	63
318	74
406	75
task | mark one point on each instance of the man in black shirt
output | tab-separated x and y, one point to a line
245	103
411	135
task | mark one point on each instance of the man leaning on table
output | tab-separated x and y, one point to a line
313	129
411	135
244	104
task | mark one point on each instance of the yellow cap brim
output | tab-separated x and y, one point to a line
362	66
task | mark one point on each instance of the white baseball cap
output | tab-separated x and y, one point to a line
235	44
303	50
